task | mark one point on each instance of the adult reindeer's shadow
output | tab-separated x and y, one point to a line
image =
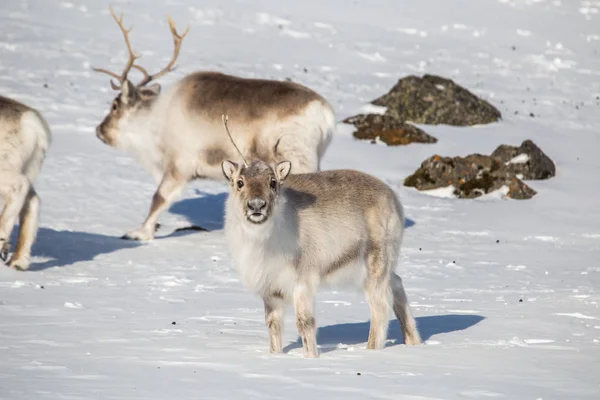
69	247
358	332
208	211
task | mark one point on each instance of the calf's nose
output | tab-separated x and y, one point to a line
256	204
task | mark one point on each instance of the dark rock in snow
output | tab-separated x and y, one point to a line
477	174
527	160
389	130
435	100
428	100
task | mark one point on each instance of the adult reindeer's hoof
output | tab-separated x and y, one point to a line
4	250
20	264
139	235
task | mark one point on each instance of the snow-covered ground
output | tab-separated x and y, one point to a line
505	292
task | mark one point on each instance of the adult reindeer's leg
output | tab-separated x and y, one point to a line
14	198
170	187
402	311
304	304
274	310
28	226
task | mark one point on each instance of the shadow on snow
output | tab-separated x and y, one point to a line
69	247
358	332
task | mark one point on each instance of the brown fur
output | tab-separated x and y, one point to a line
215	94
215	156
11	110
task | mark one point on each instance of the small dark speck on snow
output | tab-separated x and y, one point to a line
520	300
531	115
420	249
497	240
173	323
45	86
514	48
358	373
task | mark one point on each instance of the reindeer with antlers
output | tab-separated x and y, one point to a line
177	137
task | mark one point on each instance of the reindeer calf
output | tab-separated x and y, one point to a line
287	236
24	140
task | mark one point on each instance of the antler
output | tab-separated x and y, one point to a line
177	39
225	119
132	56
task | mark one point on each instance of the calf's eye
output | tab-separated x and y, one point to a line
240	184
273	184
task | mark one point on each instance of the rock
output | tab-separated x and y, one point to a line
477	174
527	160
435	100
389	130
429	100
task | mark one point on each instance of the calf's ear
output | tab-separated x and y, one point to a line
282	170
229	168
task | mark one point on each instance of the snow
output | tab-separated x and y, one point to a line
519	159
101	318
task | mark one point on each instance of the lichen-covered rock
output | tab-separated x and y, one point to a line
477	174
527	160
389	130
429	100
435	100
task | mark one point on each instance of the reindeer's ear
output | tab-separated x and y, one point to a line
229	168
151	90
129	92
282	170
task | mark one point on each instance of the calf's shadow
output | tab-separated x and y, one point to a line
358	332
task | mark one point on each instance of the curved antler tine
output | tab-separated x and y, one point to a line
177	39
114	86
107	72
225	119
174	29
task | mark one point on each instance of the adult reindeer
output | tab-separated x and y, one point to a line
177	135
25	138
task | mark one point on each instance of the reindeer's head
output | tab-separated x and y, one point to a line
132	99
255	187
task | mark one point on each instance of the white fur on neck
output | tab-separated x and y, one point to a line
263	253
139	136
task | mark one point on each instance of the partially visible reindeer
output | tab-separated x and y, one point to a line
177	136
287	236
24	140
